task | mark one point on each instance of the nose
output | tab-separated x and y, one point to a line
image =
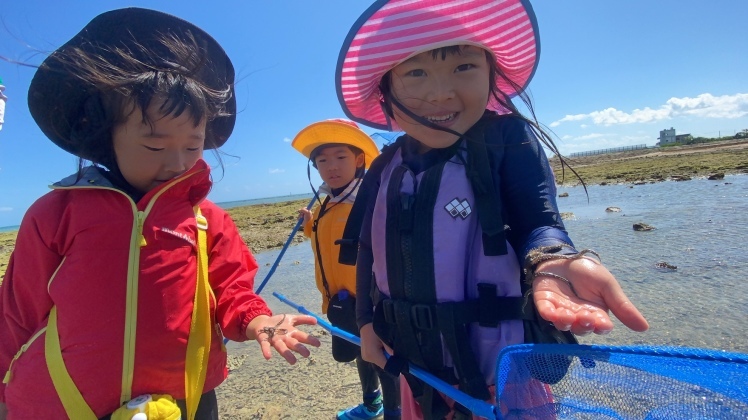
440	89
177	162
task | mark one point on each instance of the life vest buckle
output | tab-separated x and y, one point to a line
422	317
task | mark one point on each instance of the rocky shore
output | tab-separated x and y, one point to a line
675	163
266	226
317	387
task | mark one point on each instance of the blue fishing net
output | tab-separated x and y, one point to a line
554	381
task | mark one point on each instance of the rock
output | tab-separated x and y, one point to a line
640	183
613	209
564	194
680	178
716	176
663	264
568	216
603	183
642	227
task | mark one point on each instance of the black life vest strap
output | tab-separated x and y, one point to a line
457	341
487	311
322	211
433	406
487	200
366	192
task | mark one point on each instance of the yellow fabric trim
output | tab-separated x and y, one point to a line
137	240
198	343
131	306
72	400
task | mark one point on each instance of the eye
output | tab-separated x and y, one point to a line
193	149
154	149
416	73
465	67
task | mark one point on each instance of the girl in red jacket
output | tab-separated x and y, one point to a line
125	278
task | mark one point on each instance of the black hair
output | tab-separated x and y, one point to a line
317	150
121	85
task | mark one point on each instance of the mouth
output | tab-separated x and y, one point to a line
442	119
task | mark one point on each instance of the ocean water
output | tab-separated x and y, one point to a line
701	228
226	205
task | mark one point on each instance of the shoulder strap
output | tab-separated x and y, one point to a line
198	343
71	398
349	243
487	200
322	211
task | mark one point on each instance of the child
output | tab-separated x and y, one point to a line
462	202
341	152
108	295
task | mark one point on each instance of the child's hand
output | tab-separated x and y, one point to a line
584	308
306	215
280	332
372	346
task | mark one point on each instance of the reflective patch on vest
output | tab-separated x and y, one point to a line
457	208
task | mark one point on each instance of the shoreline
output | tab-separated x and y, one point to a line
265	227
317	387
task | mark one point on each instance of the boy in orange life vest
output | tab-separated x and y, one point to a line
341	152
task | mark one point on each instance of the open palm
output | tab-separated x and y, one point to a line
582	306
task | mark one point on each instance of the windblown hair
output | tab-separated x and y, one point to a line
122	80
389	101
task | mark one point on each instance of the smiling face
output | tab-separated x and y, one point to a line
337	165
149	154
451	92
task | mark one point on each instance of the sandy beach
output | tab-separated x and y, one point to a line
315	388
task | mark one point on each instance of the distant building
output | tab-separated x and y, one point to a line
667	137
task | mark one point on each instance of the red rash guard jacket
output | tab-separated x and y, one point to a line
85	248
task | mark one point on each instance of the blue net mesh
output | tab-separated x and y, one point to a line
547	381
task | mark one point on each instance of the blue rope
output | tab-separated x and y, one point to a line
283	250
481	408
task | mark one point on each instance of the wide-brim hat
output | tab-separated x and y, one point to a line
335	131
392	31
56	96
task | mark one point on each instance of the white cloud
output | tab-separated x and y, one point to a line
705	106
286	139
277	171
590	136
6	208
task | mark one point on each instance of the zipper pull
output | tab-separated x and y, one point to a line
141	220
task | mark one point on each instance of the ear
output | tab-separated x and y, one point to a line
360	160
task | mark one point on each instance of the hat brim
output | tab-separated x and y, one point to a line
56	96
327	132
384	37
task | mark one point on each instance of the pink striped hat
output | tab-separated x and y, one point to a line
392	31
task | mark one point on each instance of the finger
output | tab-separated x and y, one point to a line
586	322
624	310
284	351
303	320
304	337
293	344
265	346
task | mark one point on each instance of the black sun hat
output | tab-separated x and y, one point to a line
57	97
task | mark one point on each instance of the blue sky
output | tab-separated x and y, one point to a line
611	73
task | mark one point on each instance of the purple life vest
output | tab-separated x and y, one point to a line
458	257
